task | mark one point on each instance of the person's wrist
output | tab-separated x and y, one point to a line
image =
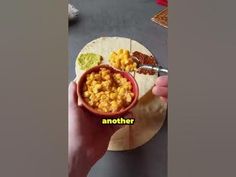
79	165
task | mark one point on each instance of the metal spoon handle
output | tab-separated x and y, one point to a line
158	69
161	69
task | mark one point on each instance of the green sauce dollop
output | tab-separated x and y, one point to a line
88	60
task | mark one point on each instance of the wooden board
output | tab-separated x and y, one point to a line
161	18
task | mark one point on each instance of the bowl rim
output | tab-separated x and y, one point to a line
108	114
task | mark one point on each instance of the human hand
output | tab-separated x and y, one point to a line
161	87
88	139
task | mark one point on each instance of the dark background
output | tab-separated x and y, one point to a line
125	19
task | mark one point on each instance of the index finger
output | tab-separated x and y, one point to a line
162	81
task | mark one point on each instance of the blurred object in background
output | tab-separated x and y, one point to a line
162	2
72	12
161	18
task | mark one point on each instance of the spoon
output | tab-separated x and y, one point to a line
158	69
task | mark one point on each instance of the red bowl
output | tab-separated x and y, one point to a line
127	75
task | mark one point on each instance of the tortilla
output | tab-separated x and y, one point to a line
150	111
149	116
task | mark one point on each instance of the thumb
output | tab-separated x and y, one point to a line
72	95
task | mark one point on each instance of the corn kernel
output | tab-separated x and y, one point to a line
122	59
128	98
86	94
120	51
107	92
126	52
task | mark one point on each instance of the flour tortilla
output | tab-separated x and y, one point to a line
149	116
150	111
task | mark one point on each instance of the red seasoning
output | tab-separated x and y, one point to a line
145	59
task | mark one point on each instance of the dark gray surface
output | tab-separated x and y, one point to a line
126	19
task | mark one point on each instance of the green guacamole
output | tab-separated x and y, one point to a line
88	60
